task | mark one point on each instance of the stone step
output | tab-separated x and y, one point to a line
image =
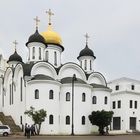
8	120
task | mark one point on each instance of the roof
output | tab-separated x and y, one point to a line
86	52
27	68
124	79
36	37
42	77
15	57
69	80
98	86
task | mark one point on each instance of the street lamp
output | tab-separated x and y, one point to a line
73	79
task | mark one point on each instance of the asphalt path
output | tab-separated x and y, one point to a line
117	137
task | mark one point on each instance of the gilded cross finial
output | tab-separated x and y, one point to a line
37	21
15	43
87	37
49	14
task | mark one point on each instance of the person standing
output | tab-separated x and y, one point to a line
28	132
33	130
25	130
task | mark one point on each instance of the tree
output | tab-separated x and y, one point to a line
37	116
101	119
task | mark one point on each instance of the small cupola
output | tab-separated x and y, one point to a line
86	52
36	45
86	57
15	57
36	37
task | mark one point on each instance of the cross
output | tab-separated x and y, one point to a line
49	14
37	21
87	37
15	43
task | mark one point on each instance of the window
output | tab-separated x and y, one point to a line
117	87
36	94
20	119
10	93
85	64
90	65
11	96
51	119
136	104
67	120
67	96
55	59
94	100
83	120
29	54
119	104
47	55
51	94
21	89
105	100
132	87
81	63
33	51
113	104
39	53
131	103
83	97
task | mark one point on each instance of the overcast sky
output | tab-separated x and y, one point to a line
113	27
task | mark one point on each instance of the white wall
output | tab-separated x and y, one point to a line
125	94
51	106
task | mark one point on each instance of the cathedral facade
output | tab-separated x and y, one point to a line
68	92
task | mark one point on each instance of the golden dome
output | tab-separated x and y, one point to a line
51	37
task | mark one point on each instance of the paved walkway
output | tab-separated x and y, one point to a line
118	137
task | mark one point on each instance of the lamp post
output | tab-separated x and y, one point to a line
73	79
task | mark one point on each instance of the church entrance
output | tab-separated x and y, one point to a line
116	123
132	123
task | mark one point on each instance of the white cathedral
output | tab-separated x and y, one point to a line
68	92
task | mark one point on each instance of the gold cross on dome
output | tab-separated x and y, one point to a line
49	14
15	43
37	21
87	37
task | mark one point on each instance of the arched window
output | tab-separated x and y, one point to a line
90	65
21	89
47	56
51	119
105	100
33	51
67	96
132	87
39	53
83	97
36	94
51	94
85	64
67	120
10	93
55	59
83	120
81	63
20	119
94	100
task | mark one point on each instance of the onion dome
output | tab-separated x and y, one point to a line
51	37
15	57
86	52
36	37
